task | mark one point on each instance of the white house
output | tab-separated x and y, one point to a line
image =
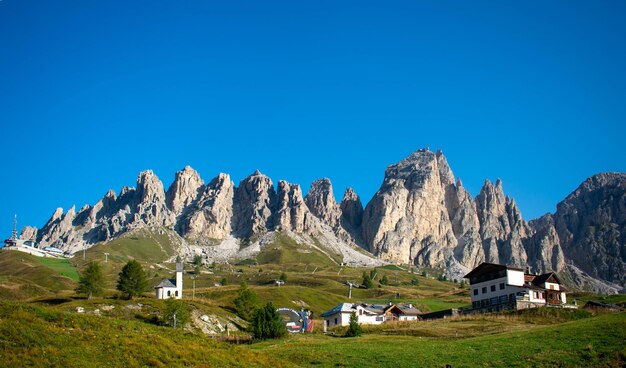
170	288
369	314
340	315
496	287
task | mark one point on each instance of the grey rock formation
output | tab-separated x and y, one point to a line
591	225
28	233
407	220
211	215
501	226
150	208
255	201
543	248
465	225
351	210
419	216
321	202
292	213
185	189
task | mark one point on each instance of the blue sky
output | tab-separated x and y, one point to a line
92	92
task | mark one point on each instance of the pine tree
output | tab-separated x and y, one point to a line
283	277
132	280
267	323
176	313
384	280
245	302
91	281
354	329
367	281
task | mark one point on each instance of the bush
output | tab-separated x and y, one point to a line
354	329
91	281
132	280
197	260
367	281
177	313
224	281
246	301
267	323
283	277
415	281
384	280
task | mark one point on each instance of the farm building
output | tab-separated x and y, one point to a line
369	314
495	287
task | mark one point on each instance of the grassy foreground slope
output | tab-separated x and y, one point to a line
23	276
37	336
592	342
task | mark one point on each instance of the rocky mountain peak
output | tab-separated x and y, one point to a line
150	207
591	225
255	200
351	209
292	213
211	215
185	189
321	202
407	220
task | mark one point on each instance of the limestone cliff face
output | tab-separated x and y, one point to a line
543	247
407	220
291	212
28	233
591	225
321	202
465	223
255	201
351	210
419	216
150	207
210	216
502	228
184	191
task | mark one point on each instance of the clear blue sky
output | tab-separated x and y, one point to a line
92	92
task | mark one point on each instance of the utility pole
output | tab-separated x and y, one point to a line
174	320
106	257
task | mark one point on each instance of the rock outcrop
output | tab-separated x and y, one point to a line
420	216
501	226
291	213
211	215
255	201
28	233
184	191
591	226
407	220
321	202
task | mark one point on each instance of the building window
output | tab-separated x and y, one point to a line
380	318
493	287
176	293
475	291
484	290
169	293
504	298
335	320
494	301
360	312
502	286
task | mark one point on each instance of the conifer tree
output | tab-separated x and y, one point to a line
132	280
91	281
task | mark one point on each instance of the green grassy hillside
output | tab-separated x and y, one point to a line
23	276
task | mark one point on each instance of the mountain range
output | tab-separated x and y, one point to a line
421	216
